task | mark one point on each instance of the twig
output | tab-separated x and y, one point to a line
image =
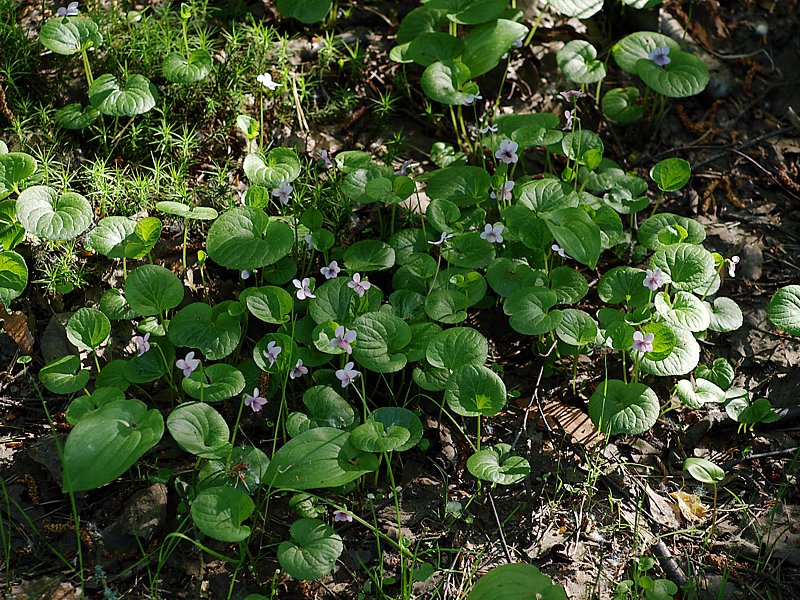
535	398
671	568
499	527
749	457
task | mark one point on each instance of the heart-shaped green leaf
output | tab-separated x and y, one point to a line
115	307
576	328
110	236
578	61
636	46
485	45
135	97
13	276
305	11
457	347
46	214
104	445
469	251
70	35
199	429
685	75
623	285
185	211
686	266
446	306
152	289
461	185
721	373
475	390
433	46
704	470
145	236
312	551
337	302
395	416
318	458
681	360
529	312
576	144
725	315
618	407
568	284
219	512
443	80
784	309
498	464
651	231
324	408
244	471
88	328
684	310
381	337
697	394
369	255
86	405
246	238
15	167
514	581
214	331
76	116
671	174
153	364
64	375
373	436
546	195
621	105
178	69
576	233
269	303
214	383
280	164
506	276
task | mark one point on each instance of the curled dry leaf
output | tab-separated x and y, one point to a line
692	509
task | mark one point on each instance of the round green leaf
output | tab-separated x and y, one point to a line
704	470
578	61
179	70
280	164
216	332
313	550
305	11
84	406
104	445
13	276
324	408
681	360
214	383
652	230
697	394
461	185
446	306
246	238
546	195
46	214
686	266
373	436
199	429
568	284
457	347
528	308
528	137
636	46
152	289
443	80
110	236
498	464
137	96
475	390
721	373
486	44
269	303
64	375
220	511
725	315
620	105
671	174
683	310
395	416
515	581
576	328
685	75
88	328
75	116
318	458
433	46
619	407
784	309
336	302
430	378
381	337
115	307
195	213
506	276
369	255
576	233
70	35
15	167
623	285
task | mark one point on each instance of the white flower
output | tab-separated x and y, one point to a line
344	338
245	274
505	191
340	515
732	265
559	250
299	370
347	375
331	271
507	152
142	343
569	115
442	239
307	238
493	233
358	286
303	289
653	279
283	192
256	401
470	98
643	343
265	79
488	128
403	170
272	352
70	11
188	365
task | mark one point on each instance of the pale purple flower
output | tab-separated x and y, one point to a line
559	250
331	271
142	343
507	152
653	279
732	265
517	43
470	98
188	364
256	401
245	274
643	343
404	169
299	370
488	128
71	10
505	192
493	233
265	79
344	338
358	286
347	375
340	515
272	352
569	115
571	94
660	56
303	289
283	192
442	239
325	157
308	239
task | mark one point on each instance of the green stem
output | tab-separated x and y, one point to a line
87	67
185	38
185	236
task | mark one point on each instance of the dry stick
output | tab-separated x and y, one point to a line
499	527
772	453
535	398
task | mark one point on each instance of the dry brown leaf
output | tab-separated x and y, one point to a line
692	509
16	325
662	510
573	422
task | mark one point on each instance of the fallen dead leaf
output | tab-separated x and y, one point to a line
662	510
692	509
17	327
573	422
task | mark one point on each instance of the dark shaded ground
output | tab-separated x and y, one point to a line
587	510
